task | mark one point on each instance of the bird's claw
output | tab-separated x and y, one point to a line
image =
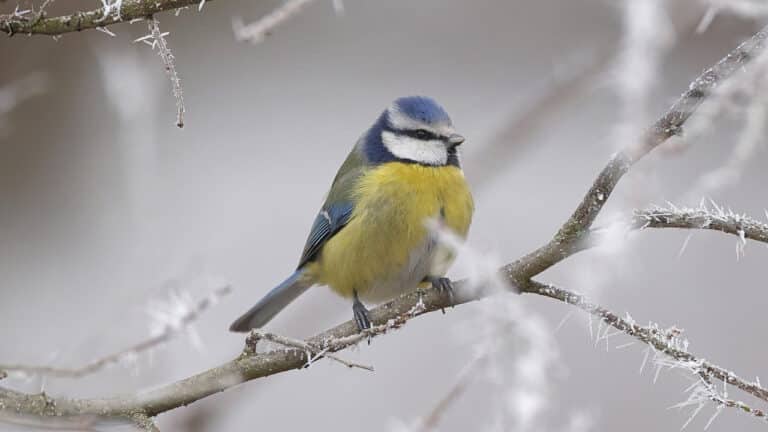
444	286
362	318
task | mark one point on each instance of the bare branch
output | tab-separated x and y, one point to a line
257	31
169	332
129	10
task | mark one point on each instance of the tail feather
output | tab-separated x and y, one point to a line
272	303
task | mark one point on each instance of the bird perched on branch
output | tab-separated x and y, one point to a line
370	240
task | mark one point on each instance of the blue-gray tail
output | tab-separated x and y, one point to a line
272	303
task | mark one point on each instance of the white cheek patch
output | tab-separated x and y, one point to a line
432	152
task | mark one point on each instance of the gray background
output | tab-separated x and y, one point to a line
106	207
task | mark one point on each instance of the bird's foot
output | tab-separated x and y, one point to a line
362	318
444	286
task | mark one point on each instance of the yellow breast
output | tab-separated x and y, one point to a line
393	202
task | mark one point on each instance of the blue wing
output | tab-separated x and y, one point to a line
328	222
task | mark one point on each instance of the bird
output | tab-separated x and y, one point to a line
370	240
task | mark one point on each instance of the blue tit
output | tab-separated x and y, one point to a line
370	240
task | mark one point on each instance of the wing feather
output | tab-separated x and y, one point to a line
338	207
327	223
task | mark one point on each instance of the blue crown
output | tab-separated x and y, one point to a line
423	109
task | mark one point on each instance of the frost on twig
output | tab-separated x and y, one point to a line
111	7
257	31
669	347
185	313
108	13
712	217
313	353
170	69
704	391
144	423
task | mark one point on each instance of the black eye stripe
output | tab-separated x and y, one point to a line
421	134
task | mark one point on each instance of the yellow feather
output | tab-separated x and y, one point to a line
393	202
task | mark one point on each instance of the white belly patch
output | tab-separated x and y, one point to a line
430	259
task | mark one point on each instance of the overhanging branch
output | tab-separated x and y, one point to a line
129	10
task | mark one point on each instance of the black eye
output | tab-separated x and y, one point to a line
422	134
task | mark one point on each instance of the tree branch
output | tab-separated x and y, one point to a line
569	238
667	342
129	10
723	220
316	354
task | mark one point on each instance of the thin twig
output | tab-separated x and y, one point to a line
719	219
128	11
170	69
257	31
664	341
458	388
167	334
317	353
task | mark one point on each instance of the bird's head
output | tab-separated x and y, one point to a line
414	129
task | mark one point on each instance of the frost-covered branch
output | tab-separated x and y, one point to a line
257	31
251	365
665	341
158	39
702	217
570	237
112	13
170	329
704	391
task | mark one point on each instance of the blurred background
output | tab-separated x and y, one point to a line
112	219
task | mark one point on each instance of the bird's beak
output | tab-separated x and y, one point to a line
455	139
